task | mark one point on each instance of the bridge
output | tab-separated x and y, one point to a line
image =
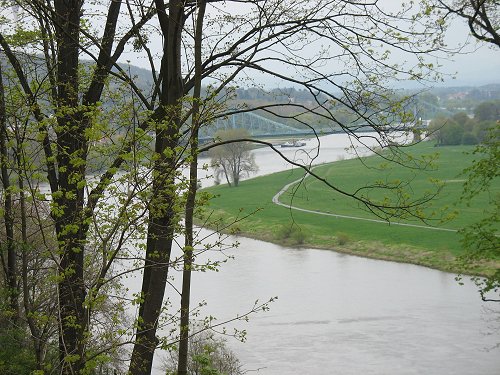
262	127
258	126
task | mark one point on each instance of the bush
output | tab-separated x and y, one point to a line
342	238
298	236
291	234
16	358
283	232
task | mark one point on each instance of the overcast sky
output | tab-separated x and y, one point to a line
477	64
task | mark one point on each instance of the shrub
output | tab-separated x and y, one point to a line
283	232
342	238
298	236
291	234
16	357
208	355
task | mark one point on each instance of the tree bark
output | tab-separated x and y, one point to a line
12	273
182	362
162	207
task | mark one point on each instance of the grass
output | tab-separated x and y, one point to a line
437	249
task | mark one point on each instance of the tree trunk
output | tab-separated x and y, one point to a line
191	200
39	342
67	185
162	214
12	274
69	200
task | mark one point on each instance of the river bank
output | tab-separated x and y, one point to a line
443	261
311	216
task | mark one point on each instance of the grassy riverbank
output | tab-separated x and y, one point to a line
420	244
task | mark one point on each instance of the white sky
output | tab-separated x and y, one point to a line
477	64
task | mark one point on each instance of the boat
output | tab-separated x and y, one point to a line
294	143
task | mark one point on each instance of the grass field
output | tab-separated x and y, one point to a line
418	245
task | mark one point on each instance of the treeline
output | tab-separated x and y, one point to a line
462	128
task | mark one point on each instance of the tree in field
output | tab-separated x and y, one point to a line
446	131
462	119
64	56
487	111
460	129
232	160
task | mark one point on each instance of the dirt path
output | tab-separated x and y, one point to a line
286	187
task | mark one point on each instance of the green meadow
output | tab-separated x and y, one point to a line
251	209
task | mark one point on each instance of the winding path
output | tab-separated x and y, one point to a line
287	186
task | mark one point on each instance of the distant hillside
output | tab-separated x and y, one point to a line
477	93
439	100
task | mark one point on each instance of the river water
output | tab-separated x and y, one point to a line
341	314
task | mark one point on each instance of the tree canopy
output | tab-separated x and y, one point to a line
464	129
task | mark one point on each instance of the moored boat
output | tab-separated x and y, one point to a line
293	143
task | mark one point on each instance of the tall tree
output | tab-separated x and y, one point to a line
10	265
65	111
163	217
189	240
25	226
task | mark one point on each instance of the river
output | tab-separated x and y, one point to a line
341	314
